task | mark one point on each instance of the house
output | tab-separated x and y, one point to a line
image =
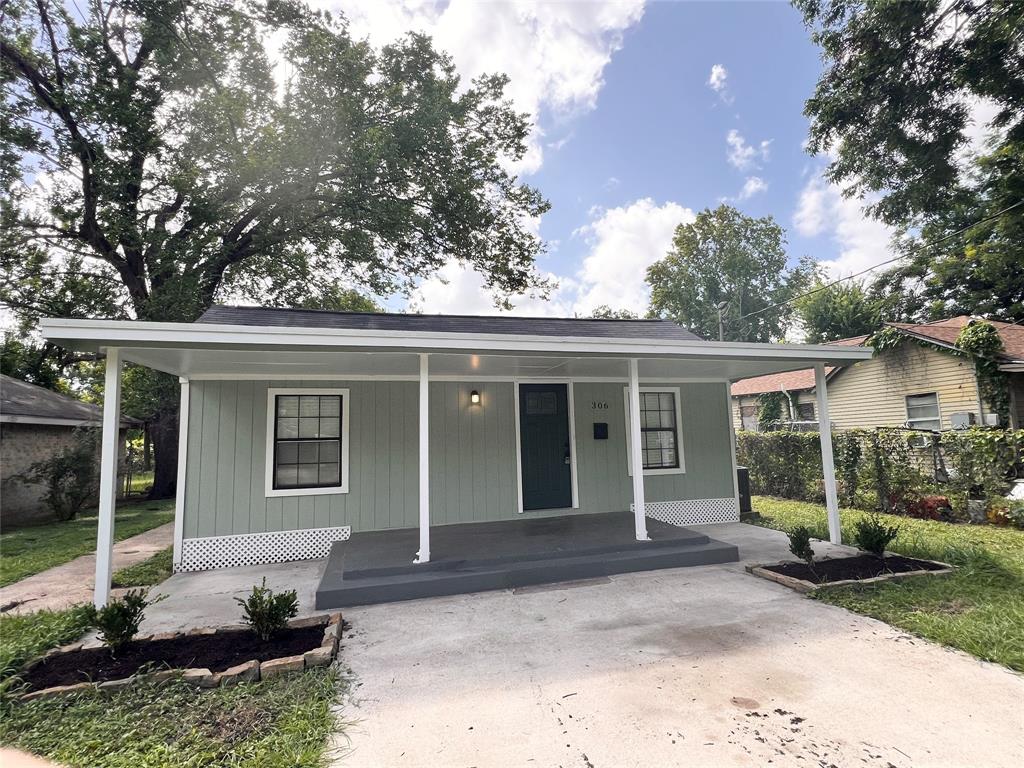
924	381
426	454
35	425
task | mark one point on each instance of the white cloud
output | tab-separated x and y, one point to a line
745	156
717	80
862	240
752	186
623	242
554	52
458	289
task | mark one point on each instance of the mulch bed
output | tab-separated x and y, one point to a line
215	652
856	567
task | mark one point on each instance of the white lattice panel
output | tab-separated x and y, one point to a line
693	511
259	548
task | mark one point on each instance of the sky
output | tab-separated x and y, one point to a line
644	114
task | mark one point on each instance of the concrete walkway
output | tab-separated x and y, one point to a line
72	583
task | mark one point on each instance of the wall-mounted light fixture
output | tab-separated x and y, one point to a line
474	398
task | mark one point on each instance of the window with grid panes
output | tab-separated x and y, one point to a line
307	441
659	433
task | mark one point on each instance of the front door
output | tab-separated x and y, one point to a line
544	446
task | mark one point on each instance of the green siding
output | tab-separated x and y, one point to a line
472	456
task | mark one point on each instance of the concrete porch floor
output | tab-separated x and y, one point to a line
207	598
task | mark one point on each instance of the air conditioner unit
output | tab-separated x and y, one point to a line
992	419
963	419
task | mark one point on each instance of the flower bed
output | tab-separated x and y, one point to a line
205	657
843	571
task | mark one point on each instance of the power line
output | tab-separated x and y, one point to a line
921	247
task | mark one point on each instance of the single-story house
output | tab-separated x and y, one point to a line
428	448
36	424
922	382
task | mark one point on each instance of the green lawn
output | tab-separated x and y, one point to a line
148	572
282	722
25	637
979	608
25	551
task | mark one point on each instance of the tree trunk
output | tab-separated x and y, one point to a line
164	434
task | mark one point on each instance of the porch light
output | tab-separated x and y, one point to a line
474	398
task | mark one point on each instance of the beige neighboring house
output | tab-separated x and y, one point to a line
35	424
927	384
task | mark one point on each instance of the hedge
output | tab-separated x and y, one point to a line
887	469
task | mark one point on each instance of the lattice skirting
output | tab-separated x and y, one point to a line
259	548
694	511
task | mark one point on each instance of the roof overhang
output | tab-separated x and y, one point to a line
198	350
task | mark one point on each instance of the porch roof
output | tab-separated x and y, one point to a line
224	350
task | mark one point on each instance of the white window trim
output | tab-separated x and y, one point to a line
938	409
681	469
346	404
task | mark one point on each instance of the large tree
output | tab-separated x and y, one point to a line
831	311
902	84
156	157
727	258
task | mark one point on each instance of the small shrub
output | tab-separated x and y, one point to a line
1015	513
872	535
800	545
267	613
69	476
118	621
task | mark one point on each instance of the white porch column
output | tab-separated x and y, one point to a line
423	555
108	476
827	463
179	495
636	452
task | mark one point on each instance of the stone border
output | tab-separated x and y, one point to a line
804	586
249	671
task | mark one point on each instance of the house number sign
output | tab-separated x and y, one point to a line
598	405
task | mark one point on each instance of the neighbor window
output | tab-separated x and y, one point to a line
805	411
923	411
308	440
659	431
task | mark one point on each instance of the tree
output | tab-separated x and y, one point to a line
155	157
726	257
838	311
901	85
604	312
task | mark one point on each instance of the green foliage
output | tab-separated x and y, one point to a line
147	573
118	621
847	454
33	549
69	476
24	637
872	535
267	613
800	545
337	298
886	338
604	312
982	461
724	256
35	363
785	464
901	84
979	608
769	408
982	342
286	722
838	311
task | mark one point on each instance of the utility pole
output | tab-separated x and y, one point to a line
721	325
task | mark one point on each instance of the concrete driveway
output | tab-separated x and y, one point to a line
689	667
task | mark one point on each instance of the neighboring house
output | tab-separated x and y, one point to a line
35	425
303	429
922	382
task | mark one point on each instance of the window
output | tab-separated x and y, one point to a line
923	411
307	447
659	430
805	411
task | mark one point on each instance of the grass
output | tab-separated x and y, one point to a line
282	722
148	572
140	483
979	608
27	636
27	551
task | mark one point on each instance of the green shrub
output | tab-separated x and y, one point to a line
267	613
69	476
118	621
872	535
800	545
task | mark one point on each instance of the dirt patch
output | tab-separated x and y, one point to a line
855	568
215	652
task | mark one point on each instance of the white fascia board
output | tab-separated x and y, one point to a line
128	333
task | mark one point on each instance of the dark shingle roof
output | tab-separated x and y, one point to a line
526	326
19	398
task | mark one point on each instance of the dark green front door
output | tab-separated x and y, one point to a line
544	445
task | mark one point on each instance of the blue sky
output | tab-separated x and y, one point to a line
634	133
